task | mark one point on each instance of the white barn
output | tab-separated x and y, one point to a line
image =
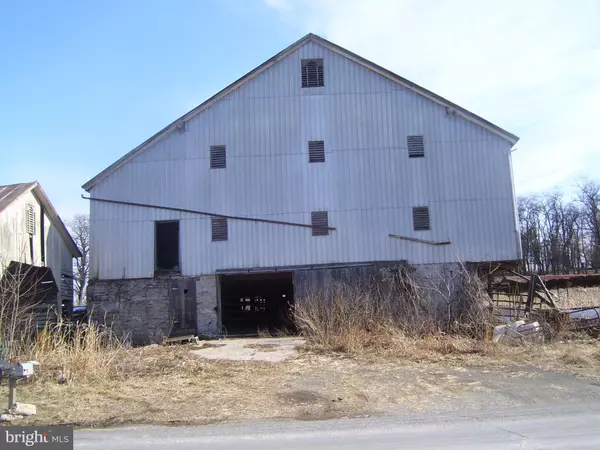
316	159
35	248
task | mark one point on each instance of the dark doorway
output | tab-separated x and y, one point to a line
167	246
257	302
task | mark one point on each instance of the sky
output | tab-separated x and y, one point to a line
82	83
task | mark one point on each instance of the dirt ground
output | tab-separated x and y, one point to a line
171	385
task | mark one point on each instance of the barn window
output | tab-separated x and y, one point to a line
167	245
312	73
320	223
218	157
420	218
219	228
416	147
316	151
29	218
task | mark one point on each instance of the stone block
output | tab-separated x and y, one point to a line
5	417
22	409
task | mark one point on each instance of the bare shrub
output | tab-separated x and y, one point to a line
351	317
26	304
468	309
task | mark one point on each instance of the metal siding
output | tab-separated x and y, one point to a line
368	183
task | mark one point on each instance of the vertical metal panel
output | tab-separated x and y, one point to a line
368	184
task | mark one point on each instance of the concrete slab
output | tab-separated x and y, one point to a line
250	349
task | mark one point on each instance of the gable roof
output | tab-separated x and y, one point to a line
279	56
10	193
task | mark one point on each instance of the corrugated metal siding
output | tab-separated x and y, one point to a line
368	183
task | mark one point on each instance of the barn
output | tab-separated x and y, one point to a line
316	165
36	255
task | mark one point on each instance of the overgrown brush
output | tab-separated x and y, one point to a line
76	352
375	315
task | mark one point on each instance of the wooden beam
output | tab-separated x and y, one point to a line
420	241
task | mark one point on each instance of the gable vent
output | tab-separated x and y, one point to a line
319	219
420	218
219	228
316	151
312	73
416	147
182	127
218	157
29	219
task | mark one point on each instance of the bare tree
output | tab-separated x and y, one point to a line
561	236
589	197
27	304
80	230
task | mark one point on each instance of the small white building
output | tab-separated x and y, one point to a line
36	248
317	159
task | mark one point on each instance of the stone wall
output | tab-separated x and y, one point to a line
206	305
141	309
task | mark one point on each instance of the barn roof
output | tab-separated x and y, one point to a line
279	56
11	192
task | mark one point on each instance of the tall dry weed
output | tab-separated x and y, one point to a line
374	315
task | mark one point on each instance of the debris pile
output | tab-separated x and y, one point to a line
518	332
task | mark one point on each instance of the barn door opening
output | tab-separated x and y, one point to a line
257	302
183	307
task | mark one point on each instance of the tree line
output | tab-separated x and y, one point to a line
559	235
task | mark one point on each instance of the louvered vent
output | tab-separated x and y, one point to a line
218	157
416	148
219	228
30	219
421	218
312	73
316	151
319	219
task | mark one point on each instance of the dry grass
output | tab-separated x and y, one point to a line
577	297
397	320
85	353
379	349
169	385
376	316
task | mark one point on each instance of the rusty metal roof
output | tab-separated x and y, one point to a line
574	279
11	192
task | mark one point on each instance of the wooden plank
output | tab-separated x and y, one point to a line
550	301
420	241
187	337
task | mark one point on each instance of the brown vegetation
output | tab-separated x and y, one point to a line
352	318
370	349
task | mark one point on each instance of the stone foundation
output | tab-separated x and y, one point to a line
206	305
141	309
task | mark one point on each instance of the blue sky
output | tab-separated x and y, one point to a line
82	83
